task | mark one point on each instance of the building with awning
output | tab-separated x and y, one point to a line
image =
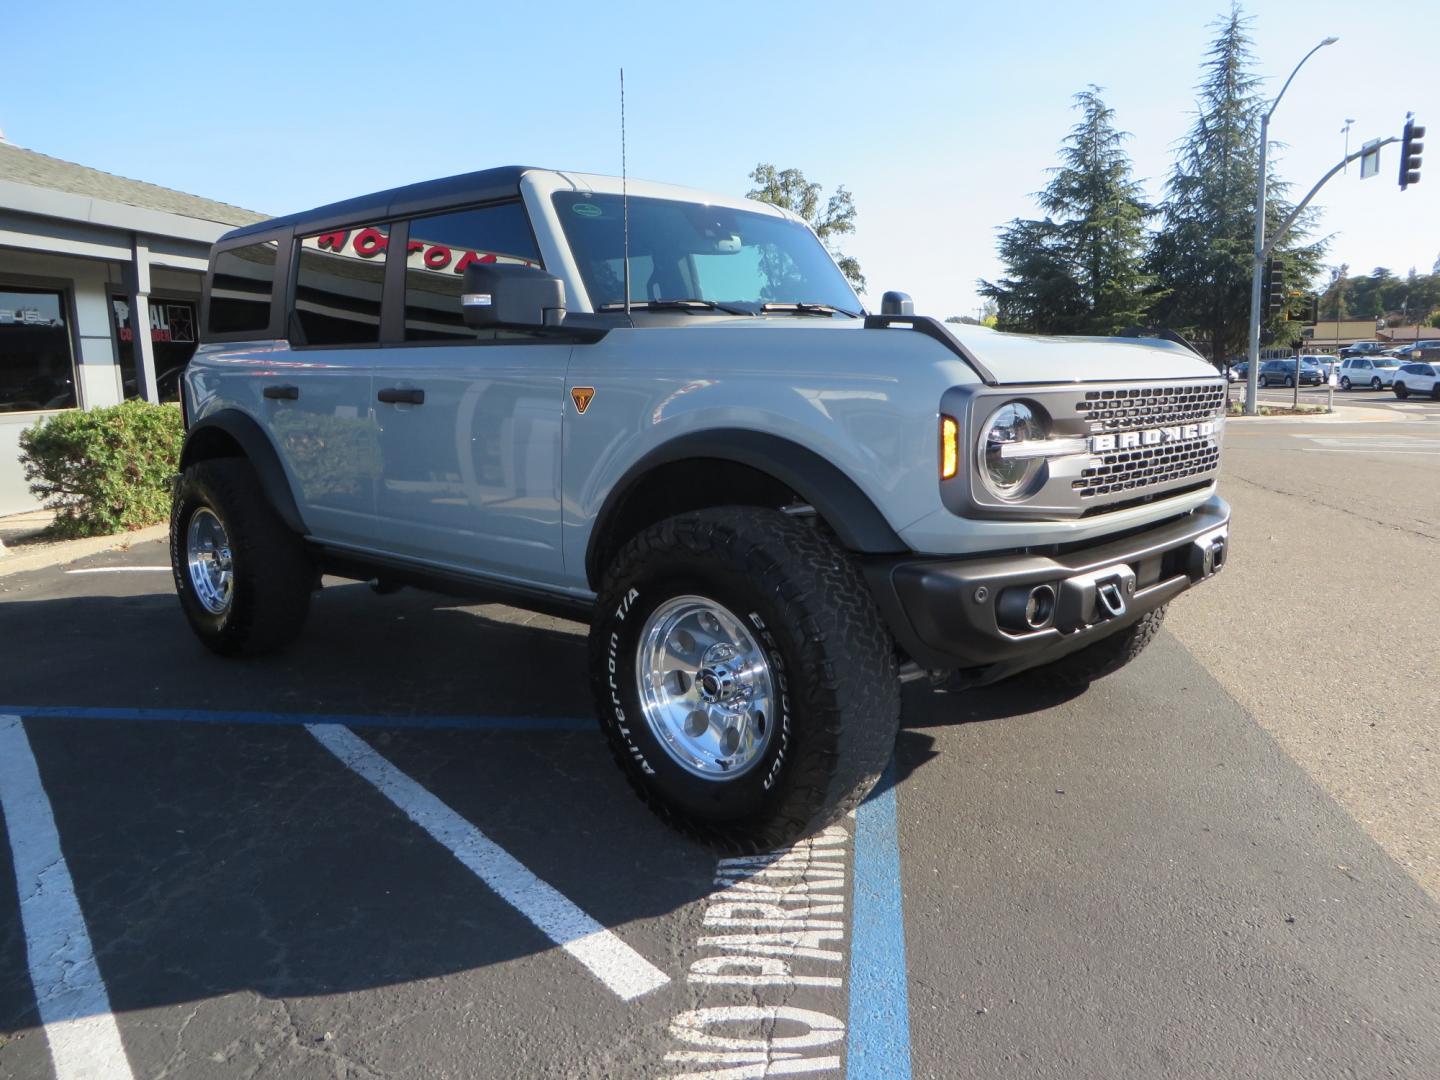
86	258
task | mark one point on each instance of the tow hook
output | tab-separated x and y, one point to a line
1086	599
1207	554
1110	599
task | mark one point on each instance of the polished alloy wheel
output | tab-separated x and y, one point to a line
207	555
705	687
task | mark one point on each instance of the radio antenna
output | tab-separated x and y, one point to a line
624	196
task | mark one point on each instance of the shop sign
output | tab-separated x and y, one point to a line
419	254
169	321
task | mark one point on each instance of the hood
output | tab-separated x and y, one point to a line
1027	358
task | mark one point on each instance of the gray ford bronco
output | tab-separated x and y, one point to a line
770	506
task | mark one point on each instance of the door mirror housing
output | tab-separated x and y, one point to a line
508	296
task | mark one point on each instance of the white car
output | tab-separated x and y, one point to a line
1376	372
1418	377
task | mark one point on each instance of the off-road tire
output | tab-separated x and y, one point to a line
827	646
1106	656
273	575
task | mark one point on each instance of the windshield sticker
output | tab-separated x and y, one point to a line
586	209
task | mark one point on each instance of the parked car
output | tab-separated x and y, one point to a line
1325	363
1418	377
1364	348
460	386
1376	372
1282	372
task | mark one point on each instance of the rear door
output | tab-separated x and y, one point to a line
470	440
318	407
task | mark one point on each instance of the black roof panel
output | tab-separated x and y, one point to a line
405	201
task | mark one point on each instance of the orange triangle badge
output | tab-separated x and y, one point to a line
581	395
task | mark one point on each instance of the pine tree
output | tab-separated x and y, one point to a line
1202	253
1079	270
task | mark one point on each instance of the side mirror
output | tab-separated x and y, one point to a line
508	296
897	303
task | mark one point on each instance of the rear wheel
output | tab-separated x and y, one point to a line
243	577
743	676
1401	391
1345	382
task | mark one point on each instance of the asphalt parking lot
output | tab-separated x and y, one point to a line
400	848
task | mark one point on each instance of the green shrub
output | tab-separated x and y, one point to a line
104	470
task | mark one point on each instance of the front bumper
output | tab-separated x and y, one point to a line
997	615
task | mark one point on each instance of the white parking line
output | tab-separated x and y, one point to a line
120	570
69	992
613	962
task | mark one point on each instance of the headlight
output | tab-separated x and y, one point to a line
1008	475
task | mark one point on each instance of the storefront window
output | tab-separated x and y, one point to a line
37	370
172	337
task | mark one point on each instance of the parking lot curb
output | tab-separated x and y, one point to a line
17	560
1341	415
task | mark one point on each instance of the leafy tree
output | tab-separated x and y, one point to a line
1079	271
1202	253
788	188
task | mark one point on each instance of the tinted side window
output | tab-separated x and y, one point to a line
240	289
338	285
440	249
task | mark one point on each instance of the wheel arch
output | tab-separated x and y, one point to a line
232	433
728	467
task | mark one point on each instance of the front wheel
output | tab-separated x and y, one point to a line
1106	656
1375	383
743	676
243	577
1289	381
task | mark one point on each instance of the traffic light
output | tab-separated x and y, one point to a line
1272	292
1410	148
1310	309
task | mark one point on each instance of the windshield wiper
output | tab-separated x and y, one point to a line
803	308
677	305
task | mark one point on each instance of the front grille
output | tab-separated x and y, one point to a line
1149	406
1129	470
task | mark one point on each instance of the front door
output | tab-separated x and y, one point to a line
470	448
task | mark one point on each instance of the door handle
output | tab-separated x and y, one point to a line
396	395
282	393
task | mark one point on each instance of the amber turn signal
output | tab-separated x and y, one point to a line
949	447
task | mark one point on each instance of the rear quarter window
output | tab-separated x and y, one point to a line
242	284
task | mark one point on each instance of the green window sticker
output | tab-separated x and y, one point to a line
586	209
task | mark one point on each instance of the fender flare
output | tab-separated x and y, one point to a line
858	523
258	449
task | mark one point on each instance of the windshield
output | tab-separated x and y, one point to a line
691	251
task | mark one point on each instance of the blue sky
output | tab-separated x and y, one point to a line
940	117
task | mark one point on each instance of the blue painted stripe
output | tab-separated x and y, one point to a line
878	1040
236	716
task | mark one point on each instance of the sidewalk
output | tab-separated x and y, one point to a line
23	548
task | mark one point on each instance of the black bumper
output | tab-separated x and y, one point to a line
999	614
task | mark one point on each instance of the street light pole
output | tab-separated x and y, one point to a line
1252	372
